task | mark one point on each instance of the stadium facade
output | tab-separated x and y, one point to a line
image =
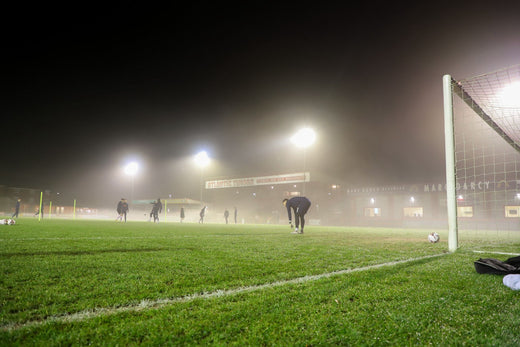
421	205
258	200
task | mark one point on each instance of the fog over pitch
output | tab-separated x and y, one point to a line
85	89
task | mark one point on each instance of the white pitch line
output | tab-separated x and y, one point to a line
80	238
504	253
159	303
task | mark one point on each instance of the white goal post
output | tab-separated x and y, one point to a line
449	144
482	144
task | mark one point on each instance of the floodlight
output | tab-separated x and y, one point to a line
131	168
304	138
509	96
202	159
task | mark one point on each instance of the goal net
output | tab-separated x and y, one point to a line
482	125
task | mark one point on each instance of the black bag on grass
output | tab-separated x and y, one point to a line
497	267
515	261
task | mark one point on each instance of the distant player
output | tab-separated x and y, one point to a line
182	214
202	214
122	209
39	211
300	206
156	209
226	215
125	208
16	209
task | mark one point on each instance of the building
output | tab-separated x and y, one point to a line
481	205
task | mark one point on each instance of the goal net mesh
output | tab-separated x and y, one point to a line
487	155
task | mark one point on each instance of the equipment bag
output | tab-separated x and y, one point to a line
498	267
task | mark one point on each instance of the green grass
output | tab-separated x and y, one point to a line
141	281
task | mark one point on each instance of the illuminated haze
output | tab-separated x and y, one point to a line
86	93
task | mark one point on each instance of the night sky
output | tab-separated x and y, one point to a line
89	87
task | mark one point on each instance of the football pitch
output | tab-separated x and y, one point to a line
104	283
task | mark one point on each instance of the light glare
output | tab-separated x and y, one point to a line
304	138
509	96
131	168
202	159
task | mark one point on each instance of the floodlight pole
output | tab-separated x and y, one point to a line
304	168
132	191
201	183
449	142
303	139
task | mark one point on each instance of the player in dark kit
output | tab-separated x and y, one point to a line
202	214
300	205
122	209
16	209
156	209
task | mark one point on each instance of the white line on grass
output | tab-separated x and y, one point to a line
505	253
159	303
82	238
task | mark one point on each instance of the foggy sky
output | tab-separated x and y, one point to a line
85	89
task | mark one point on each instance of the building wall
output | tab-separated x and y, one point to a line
417	205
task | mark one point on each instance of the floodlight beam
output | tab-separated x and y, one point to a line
202	159
131	168
304	138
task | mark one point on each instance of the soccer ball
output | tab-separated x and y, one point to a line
7	221
433	237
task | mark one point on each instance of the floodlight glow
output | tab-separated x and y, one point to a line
131	168
202	159
304	138
509	96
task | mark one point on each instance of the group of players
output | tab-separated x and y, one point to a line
122	210
299	204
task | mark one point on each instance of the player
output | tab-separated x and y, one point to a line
125	208
39	211
182	214
202	214
226	215
156	209
16	209
122	209
300	205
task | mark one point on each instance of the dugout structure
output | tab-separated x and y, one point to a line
482	142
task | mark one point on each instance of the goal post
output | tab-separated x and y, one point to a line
449	144
482	144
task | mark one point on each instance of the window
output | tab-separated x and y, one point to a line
413	212
372	212
512	211
465	211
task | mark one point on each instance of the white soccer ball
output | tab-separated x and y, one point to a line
433	237
11	221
